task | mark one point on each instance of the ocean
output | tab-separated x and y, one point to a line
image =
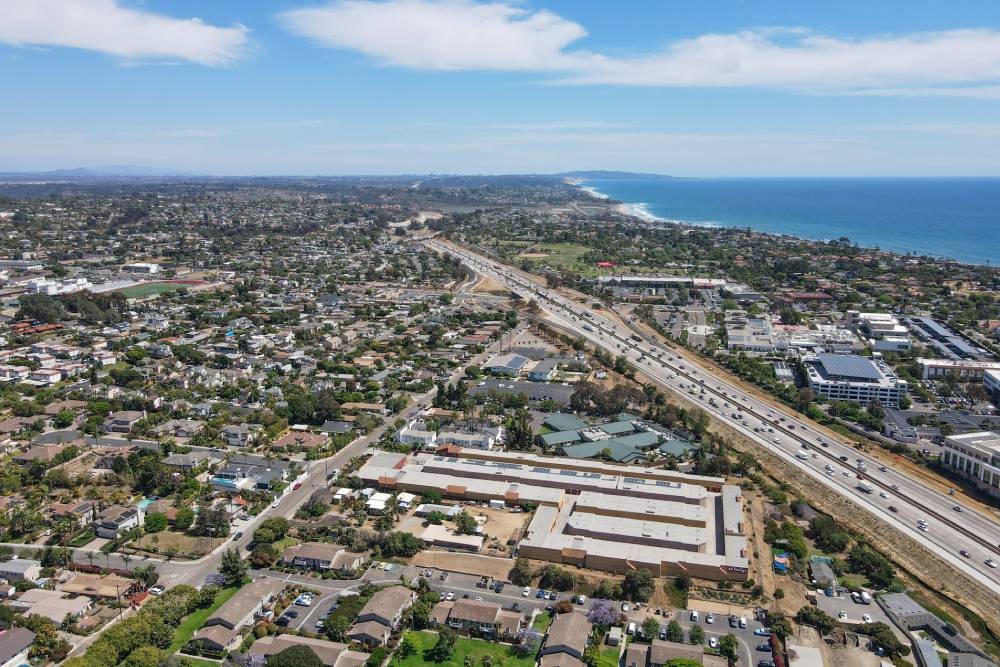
958	218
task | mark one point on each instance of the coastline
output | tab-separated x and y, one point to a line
640	211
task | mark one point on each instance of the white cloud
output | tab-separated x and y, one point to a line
442	34
503	36
108	27
972	92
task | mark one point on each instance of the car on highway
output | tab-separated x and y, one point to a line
958	508
964	554
892	508
991	563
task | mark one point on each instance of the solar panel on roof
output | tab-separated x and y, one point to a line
540	469
846	365
634	480
571	473
665	483
593	475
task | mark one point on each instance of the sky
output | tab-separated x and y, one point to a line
681	87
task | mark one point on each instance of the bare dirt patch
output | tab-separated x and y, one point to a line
498	568
179	544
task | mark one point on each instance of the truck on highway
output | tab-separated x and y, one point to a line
864	486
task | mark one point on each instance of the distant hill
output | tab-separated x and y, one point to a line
598	175
94	173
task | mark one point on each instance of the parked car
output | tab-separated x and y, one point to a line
156	590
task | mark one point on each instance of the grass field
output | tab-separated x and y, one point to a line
464	646
149	289
559	255
196	619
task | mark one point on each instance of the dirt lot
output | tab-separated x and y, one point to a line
499	526
183	544
837	654
498	568
490	286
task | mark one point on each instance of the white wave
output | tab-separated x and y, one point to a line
593	191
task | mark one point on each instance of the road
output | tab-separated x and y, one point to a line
949	531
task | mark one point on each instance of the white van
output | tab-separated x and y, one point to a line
694	617
631	629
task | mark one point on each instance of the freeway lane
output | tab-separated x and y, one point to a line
948	532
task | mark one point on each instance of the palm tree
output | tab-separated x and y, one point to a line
126	559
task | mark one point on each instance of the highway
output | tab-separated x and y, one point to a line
833	463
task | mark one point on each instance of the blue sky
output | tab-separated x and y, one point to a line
695	88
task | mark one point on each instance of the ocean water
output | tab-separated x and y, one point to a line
957	218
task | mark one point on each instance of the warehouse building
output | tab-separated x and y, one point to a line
588	513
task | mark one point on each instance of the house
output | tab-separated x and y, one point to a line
108	586
117	520
380	616
567	639
20	569
301	440
50	604
249	472
80	513
122	421
486	619
14	643
658	653
482	438
508	365
221	631
416	433
322	556
42	453
179	428
331	654
187	461
239	435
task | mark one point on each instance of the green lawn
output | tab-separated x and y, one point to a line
608	657
283	544
86	537
542	621
196	619
143	290
464	646
200	662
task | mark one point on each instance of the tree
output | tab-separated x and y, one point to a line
827	534
603	614
779	624
147	574
232	567
185	518
406	647
638	585
144	656
263	555
675	632
295	656
156	522
696	635
465	523
862	559
444	646
336	628
436	518
817	618
519	435
63	419
883	636
727	648
682	582
650	628
803	399
520	574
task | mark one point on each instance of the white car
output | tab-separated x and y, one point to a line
156	590
991	563
450	597
625	607
883	494
713	642
841	614
526	592
867	618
